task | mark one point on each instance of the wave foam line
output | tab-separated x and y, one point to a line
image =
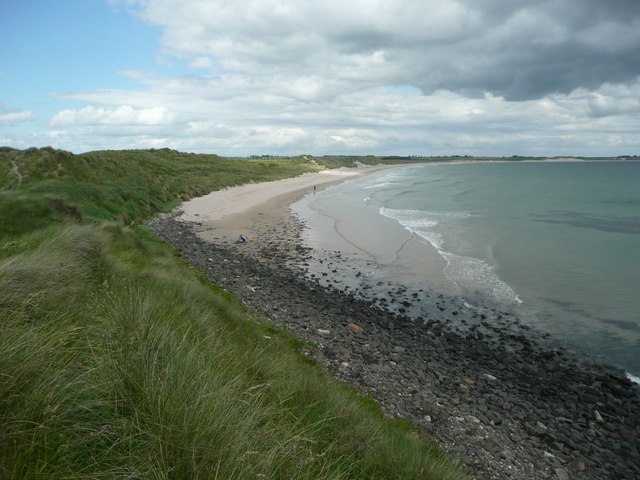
633	378
379	185
467	272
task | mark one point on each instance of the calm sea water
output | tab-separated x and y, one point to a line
559	242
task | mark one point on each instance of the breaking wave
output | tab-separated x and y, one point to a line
470	273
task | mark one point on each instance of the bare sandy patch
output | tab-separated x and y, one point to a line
260	211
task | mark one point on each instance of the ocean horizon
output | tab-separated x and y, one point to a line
556	243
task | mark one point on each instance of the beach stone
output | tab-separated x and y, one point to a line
492	445
323	332
355	328
507	455
628	434
561	474
578	466
490	377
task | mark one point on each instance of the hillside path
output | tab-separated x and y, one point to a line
17	173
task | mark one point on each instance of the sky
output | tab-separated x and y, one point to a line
289	77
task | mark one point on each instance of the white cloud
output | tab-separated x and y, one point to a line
356	139
266	118
124	115
204	63
521	50
374	76
14	117
277	136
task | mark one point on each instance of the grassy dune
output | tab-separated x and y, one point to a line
126	186
121	361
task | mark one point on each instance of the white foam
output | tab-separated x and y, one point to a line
379	185
413	215
470	273
471	307
476	275
633	378
417	222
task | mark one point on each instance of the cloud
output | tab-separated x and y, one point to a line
204	63
356	139
237	115
520	50
12	117
124	115
372	76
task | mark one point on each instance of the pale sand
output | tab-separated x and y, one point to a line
260	211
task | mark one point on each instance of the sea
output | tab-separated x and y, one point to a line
555	242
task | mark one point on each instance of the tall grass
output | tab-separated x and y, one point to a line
120	185
119	361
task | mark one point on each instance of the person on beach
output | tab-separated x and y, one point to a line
241	239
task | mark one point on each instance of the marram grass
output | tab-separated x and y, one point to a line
119	361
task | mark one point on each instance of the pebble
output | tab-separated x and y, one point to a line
598	417
578	466
354	328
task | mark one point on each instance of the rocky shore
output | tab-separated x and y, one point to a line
507	402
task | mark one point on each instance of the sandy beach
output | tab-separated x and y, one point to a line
260	212
237	205
223	203
507	403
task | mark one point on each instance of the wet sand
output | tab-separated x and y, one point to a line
365	236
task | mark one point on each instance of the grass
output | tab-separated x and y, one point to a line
120	360
126	186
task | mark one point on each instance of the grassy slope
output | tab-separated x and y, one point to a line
117	185
119	360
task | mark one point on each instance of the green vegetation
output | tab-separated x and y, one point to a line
117	185
119	360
